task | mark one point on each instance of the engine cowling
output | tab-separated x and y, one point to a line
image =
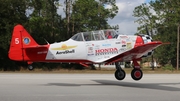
147	39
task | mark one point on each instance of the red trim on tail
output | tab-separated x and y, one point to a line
20	40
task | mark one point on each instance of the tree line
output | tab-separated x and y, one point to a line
162	18
43	21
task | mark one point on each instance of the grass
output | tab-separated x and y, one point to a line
102	71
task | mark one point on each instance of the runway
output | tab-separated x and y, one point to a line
88	87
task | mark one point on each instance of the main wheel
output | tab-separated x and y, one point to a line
120	74
30	67
136	74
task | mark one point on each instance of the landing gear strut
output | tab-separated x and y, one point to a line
136	73
120	73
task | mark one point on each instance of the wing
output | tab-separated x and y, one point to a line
135	53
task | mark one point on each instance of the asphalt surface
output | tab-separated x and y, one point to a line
88	87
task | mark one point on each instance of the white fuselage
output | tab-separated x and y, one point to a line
95	51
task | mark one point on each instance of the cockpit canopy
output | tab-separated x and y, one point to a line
95	35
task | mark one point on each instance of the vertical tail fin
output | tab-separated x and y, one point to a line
20	40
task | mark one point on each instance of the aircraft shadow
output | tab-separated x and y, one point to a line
156	86
62	84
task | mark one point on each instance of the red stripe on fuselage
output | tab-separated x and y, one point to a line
65	61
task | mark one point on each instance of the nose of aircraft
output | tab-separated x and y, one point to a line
143	39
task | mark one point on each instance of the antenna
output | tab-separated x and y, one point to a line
46	41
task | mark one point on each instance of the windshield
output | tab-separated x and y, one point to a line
77	37
95	35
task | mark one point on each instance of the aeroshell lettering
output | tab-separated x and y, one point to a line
106	51
65	52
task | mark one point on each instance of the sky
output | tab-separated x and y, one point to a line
124	17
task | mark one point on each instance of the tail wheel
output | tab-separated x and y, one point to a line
136	74
120	74
30	67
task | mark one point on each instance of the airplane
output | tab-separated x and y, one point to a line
85	48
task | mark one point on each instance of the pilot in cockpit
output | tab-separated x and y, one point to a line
86	38
108	35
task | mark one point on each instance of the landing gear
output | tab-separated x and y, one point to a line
120	73
136	73
30	67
